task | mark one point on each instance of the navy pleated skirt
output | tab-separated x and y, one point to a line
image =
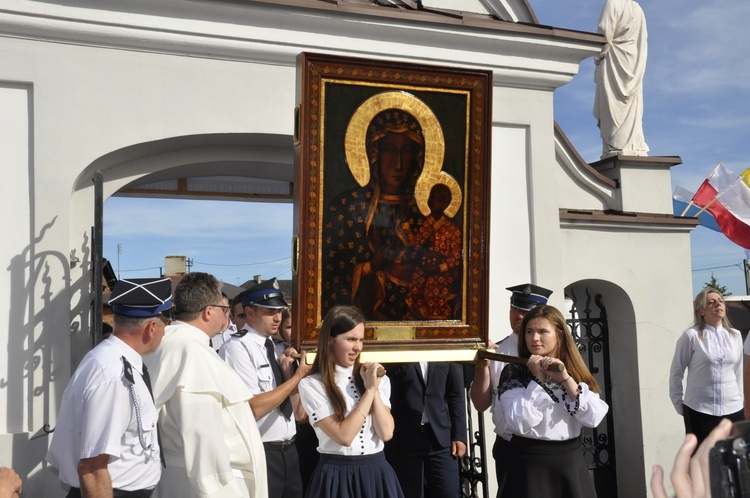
549	469
361	476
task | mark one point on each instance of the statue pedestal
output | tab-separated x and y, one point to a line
644	181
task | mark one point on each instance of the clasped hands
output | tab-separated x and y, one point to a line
540	366
369	373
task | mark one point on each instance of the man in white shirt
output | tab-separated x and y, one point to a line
273	382
106	441
229	327
484	389
211	440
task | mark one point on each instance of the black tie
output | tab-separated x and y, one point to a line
285	406
147	380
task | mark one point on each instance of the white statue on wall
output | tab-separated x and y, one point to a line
620	66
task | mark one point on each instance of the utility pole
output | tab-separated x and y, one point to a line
189	264
119	251
746	265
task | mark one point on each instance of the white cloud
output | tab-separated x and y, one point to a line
700	47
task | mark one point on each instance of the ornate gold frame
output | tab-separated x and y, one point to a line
337	99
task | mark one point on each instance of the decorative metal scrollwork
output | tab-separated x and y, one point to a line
473	466
588	324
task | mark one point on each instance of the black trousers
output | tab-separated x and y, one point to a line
307	450
116	493
701	424
282	464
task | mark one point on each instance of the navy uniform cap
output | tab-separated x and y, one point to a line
526	296
265	294
141	297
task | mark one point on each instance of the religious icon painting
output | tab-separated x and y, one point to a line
392	201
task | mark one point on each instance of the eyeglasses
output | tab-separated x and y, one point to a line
167	316
225	309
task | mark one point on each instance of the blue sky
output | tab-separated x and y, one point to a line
697	106
696	102
232	240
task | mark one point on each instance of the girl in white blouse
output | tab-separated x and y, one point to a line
545	408
711	350
349	407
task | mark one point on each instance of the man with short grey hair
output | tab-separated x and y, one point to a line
211	442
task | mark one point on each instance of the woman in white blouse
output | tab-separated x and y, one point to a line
545	408
711	350
349	407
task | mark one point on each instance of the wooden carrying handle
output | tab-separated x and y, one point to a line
381	372
484	354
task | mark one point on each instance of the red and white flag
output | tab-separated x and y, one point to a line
727	197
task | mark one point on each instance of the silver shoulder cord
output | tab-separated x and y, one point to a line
139	424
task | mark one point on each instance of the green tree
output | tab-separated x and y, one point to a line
714	284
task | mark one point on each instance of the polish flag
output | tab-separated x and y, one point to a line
683	205
727	197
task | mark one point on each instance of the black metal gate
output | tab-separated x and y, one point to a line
588	323
473	466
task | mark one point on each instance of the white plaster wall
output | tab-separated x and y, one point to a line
578	188
509	222
643	265
523	168
459	5
82	103
33	300
646	190
14	149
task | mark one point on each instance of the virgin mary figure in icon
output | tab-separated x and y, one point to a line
367	260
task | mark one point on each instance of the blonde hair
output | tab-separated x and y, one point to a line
699	304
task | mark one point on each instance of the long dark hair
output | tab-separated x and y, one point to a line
338	320
567	351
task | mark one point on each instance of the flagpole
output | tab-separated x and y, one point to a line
724	191
713	172
687	208
704	208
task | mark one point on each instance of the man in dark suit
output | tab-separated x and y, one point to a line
429	410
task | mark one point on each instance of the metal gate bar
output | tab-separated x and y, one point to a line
591	333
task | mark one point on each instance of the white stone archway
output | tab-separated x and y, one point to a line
600	300
244	167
